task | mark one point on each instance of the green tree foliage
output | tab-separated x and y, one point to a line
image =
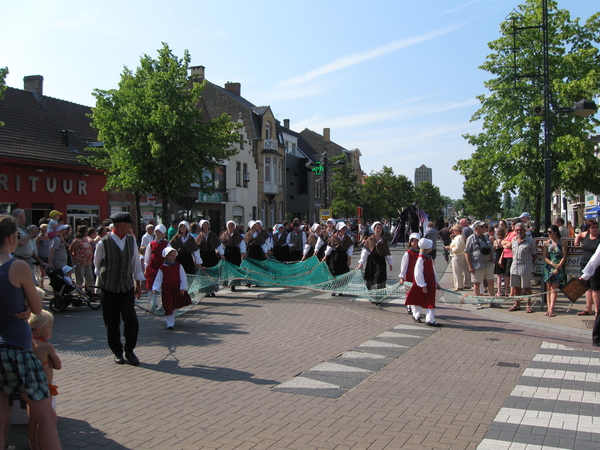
430	199
509	150
154	137
384	193
3	73
481	201
344	186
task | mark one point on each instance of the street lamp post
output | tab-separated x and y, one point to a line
322	168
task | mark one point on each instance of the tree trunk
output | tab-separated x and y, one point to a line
138	214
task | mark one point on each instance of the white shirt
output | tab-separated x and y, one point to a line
420	276
136	265
365	254
146	239
318	246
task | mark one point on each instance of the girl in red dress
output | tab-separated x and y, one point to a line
153	258
407	266
422	293
172	281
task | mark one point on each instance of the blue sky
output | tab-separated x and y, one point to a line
396	79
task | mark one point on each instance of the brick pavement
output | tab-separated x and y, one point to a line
209	383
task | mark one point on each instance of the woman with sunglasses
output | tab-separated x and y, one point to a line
588	240
555	256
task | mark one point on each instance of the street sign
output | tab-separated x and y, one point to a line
325	214
571	265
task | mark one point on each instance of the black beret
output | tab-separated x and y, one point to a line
121	217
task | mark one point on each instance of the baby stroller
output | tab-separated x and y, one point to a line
68	294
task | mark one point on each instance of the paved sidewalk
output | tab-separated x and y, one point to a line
218	380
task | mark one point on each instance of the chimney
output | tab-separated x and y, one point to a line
326	134
35	84
286	123
197	72
234	88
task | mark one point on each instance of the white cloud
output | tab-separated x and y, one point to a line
415	110
358	58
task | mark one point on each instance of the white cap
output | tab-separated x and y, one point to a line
375	223
315	225
168	249
332	220
341	225
525	214
160	228
183	222
61	227
251	224
425	244
202	222
414	236
260	223
232	223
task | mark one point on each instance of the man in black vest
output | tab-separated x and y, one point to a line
117	265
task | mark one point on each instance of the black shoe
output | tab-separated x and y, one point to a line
119	359
133	360
409	311
417	320
170	328
232	288
434	324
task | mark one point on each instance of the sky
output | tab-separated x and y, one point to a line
397	79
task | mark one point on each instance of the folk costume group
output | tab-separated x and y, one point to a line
166	264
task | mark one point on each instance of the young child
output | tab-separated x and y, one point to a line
407	266
67	274
422	293
53	222
41	329
172	281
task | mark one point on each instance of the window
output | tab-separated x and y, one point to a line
219	178
246	175
267	169
268	130
318	188
238	174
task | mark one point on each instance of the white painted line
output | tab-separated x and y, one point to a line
361	355
493	444
562	359
547	419
408	327
567	395
306	383
398	335
334	367
379	344
562	375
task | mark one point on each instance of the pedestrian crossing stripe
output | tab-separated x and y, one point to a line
335	377
540	414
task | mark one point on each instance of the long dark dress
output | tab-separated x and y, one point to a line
337	261
376	265
231	243
208	248
185	252
254	245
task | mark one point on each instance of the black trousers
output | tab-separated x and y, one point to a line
117	306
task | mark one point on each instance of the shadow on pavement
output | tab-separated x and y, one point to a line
211	373
73	433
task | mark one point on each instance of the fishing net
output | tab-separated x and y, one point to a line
310	275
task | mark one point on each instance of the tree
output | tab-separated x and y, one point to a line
481	200
430	200
384	193
509	150
154	137
344	186
3	73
